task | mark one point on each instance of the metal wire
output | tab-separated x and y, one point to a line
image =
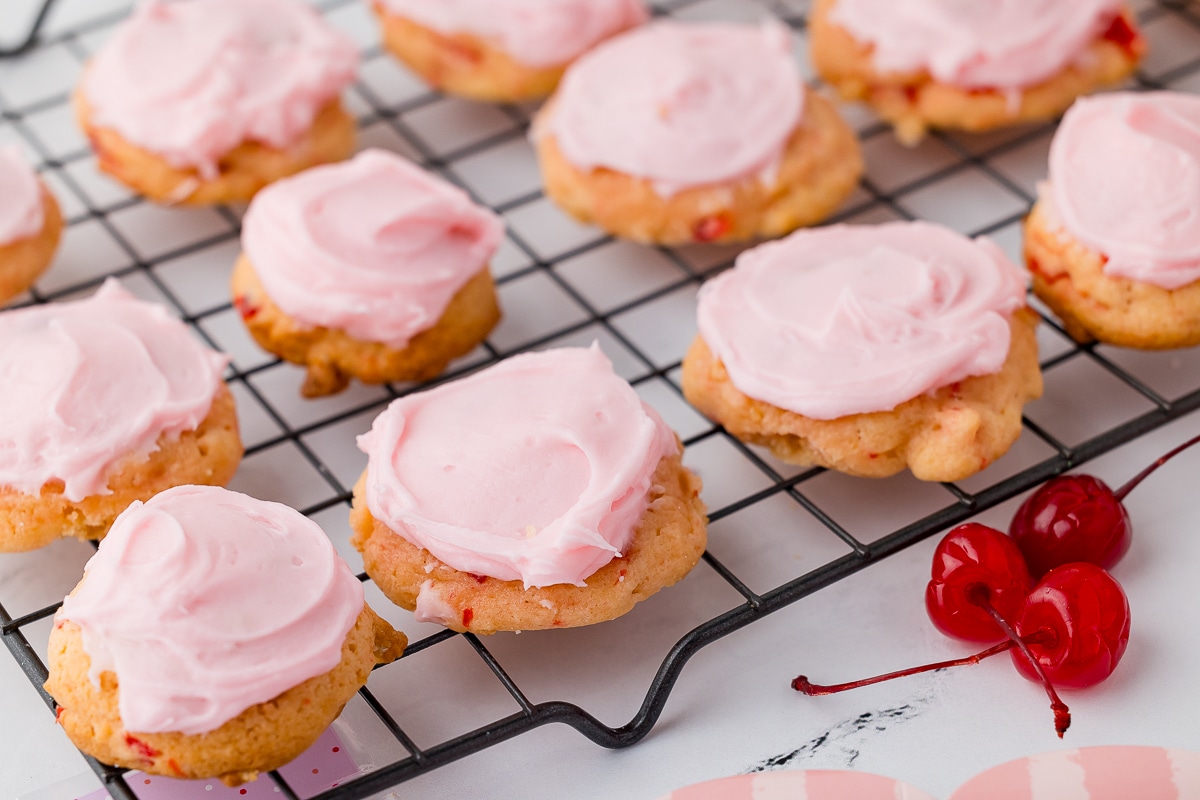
960	504
26	43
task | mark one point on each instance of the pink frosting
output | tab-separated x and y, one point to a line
375	246
21	212
535	469
1090	773
809	784
681	104
537	33
1125	181
854	319
190	81
205	602
90	382
1002	44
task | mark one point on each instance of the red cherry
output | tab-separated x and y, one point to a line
1078	518
968	557
710	228
1122	34
1071	518
1079	615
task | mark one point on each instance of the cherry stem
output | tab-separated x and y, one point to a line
805	686
980	595
1141	476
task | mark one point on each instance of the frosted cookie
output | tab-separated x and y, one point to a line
538	493
1090	773
30	225
107	400
373	269
972	66
212	636
800	784
681	132
1113	242
868	350
207	101
499	50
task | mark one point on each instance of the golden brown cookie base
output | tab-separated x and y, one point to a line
946	436
208	455
820	167
668	542
915	102
242	171
463	64
263	737
1069	278
22	261
333	356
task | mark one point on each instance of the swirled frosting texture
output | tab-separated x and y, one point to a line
21	212
375	246
190	81
1000	44
536	469
854	319
1125	181
90	382
680	104
537	33
204	602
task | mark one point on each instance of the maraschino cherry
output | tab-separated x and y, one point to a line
971	558
1072	628
1080	615
1077	518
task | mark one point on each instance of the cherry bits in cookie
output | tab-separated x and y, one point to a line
371	269
213	635
1113	242
210	100
539	493
106	401
868	350
684	132
974	66
499	50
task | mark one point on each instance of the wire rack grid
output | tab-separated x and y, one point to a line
562	283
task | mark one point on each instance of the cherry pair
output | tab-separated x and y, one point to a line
1072	627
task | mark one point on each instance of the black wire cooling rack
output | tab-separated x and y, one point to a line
1170	25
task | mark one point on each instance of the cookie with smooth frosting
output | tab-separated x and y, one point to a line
1113	242
207	101
971	66
685	132
108	400
539	493
30	225
213	635
371	269
499	50
869	350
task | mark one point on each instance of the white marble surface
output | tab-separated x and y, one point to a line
732	710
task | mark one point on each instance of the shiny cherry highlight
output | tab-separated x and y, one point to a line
1080	617
1074	518
969	557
